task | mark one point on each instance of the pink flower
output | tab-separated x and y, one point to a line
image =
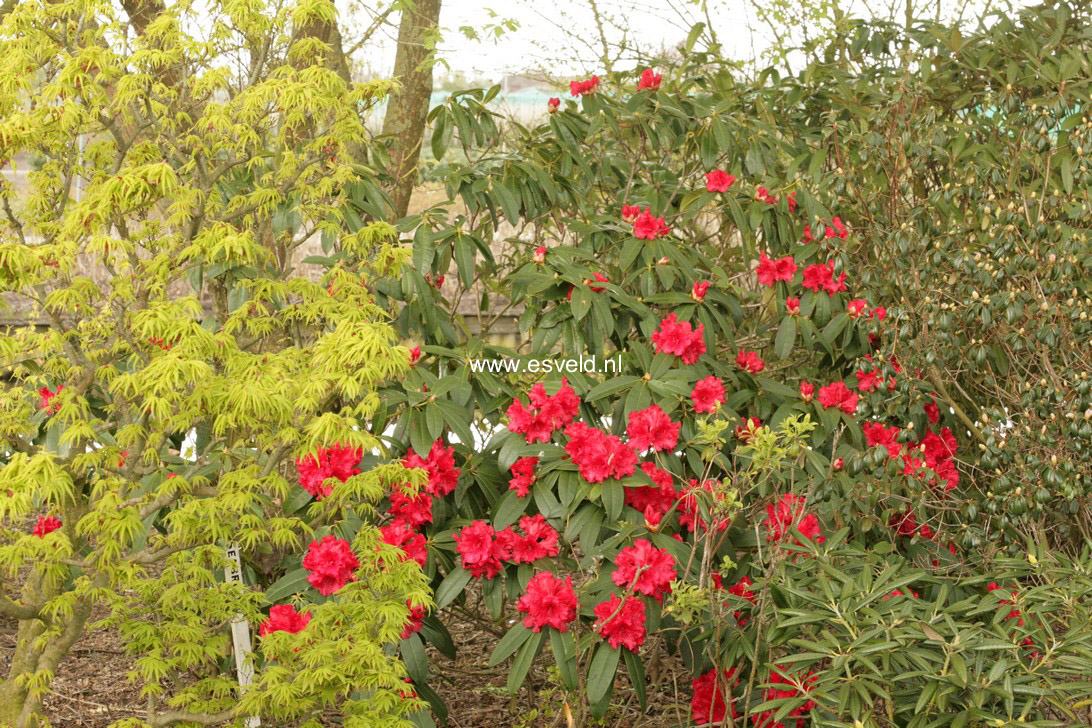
622	624
707	395
877	434
821	276
588	86
553	105
649	80
440	465
718	181
338	461
48	403
523	475
647	227
807	391
413	510
749	361
771	271
547	414
697	292
677	337
331	562
652	428
540	255
597	455
548	602
646	569
476	545
539	541
792	305
46	525
284	618
838	395
398	533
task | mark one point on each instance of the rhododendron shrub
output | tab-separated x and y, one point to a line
764	433
190	388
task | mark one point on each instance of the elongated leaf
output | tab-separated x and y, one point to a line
601	673
509	643
520	666
786	337
451	587
636	670
291	583
565	656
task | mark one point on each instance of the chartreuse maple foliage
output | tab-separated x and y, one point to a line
166	176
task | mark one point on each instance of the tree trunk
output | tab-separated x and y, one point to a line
407	108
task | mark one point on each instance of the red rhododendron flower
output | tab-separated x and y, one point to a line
807	391
48	404
579	88
540	255
523	475
623	625
876	434
478	549
821	276
598	278
771	271
835	229
597	455
338	461
838	395
648	227
284	618
440	465
646	569
718	181
857	307
630	212
690	511
46	525
652	428
697	292
932	412
707	395
742	589
939	449
793	687
553	104
414	355
398	533
654	501
764	194
547	412
789	513
649	80
879	313
837	464
869	381
792	305
749	361
746	430
897	593
713	696
548	602
415	621
539	541
904	524
677	337
413	510
331	562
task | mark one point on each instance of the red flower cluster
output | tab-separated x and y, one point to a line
713	696
939	450
597	455
749	361
746	430
553	104
331	562
338	461
588	86
857	307
412	510
646	569
651	428
690	511
789	513
47	398
742	589
792	305
440	465
622	624
807	391
548	602
832	229
284	618
547	413
771	271
838	395
698	290
523	475
877	434
718	181
764	194
821	276
708	394
678	338
484	551
649	80
794	688
648	227
46	525
653	501
630	212
415	621
398	533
